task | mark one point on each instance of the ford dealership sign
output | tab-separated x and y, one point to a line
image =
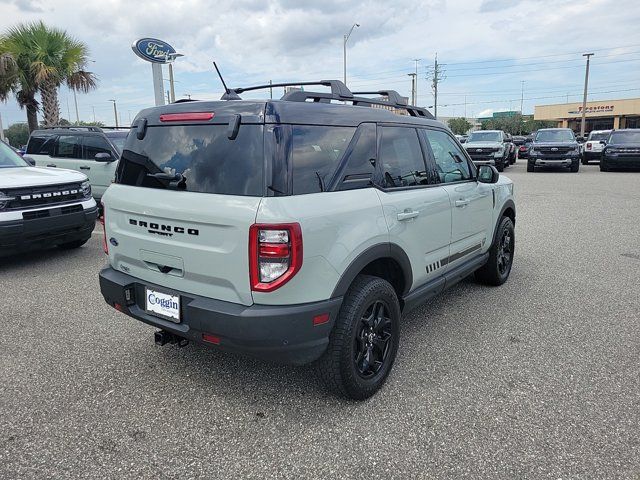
153	50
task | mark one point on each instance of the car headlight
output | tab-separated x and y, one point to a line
86	189
499	152
4	200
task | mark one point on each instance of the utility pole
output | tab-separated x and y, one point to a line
521	103
270	90
465	106
115	112
344	50
415	94
413	87
437	76
584	97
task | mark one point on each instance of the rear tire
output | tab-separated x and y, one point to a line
364	340
72	245
531	167
603	166
497	269
575	166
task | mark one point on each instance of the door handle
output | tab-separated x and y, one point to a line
463	202
84	167
52	165
407	215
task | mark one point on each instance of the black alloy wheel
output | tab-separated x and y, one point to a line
505	252
372	341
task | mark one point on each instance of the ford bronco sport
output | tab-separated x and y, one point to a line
42	207
299	229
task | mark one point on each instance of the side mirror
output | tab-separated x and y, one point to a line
103	157
488	174
31	161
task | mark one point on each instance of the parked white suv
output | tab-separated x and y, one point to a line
299	230
594	145
42	207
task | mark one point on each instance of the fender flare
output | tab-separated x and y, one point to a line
508	204
382	250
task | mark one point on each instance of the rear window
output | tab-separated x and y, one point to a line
629	136
599	136
203	155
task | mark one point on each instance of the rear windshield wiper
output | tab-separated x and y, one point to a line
173	181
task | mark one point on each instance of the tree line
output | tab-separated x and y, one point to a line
515	125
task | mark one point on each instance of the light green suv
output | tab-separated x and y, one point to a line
298	230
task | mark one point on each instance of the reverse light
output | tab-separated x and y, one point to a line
102	219
186	116
275	255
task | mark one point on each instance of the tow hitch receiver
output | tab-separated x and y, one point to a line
162	337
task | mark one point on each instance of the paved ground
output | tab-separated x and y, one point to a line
537	379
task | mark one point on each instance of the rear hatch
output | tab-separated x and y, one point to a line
187	190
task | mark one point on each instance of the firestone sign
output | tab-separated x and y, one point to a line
593	109
153	50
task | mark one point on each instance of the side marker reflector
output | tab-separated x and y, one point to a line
320	319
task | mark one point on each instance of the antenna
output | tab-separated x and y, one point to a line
228	94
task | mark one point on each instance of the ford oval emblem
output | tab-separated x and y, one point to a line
478	150
554	149
153	50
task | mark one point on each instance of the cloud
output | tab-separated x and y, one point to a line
28	6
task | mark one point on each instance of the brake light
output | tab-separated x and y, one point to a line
588	146
275	255
186	117
105	245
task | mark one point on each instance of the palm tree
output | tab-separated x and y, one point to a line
35	58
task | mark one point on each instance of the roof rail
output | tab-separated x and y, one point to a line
340	92
89	128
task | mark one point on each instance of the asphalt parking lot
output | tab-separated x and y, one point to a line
539	378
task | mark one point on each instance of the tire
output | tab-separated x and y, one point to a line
585	161
72	245
603	166
531	167
346	366
575	166
497	269
500	167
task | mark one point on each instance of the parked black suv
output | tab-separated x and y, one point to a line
554	147
622	150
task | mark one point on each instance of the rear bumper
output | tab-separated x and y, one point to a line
591	155
56	228
278	333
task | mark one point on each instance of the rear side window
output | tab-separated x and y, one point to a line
315	153
41	145
203	155
67	146
93	146
401	158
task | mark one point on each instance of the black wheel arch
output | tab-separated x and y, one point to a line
507	210
379	256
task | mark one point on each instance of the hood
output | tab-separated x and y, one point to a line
20	177
483	145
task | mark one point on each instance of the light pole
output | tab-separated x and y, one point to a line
344	50
115	111
170	58
415	94
521	103
584	98
413	87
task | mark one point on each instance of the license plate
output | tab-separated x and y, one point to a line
163	305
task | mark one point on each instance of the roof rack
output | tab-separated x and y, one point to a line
89	128
340	92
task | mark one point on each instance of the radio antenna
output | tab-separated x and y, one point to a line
228	94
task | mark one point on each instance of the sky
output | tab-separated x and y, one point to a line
487	48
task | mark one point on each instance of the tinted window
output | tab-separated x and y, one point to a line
451	163
401	159
118	139
41	145
622	136
94	145
360	160
599	136
208	161
315	153
67	146
561	136
9	158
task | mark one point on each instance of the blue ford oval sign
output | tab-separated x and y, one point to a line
153	50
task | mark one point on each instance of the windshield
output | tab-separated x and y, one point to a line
561	136
9	158
629	136
485	137
599	135
118	141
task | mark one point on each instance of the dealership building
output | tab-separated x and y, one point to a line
599	115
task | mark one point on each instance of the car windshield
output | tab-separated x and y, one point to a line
118	139
9	158
629	136
599	136
485	137
561	136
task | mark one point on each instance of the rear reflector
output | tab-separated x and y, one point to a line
186	117
320	319
207	337
118	307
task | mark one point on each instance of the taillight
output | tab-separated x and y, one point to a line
588	146
105	245
275	255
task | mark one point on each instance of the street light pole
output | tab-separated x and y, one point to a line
344	50
413	87
584	97
415	94
521	103
115	111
